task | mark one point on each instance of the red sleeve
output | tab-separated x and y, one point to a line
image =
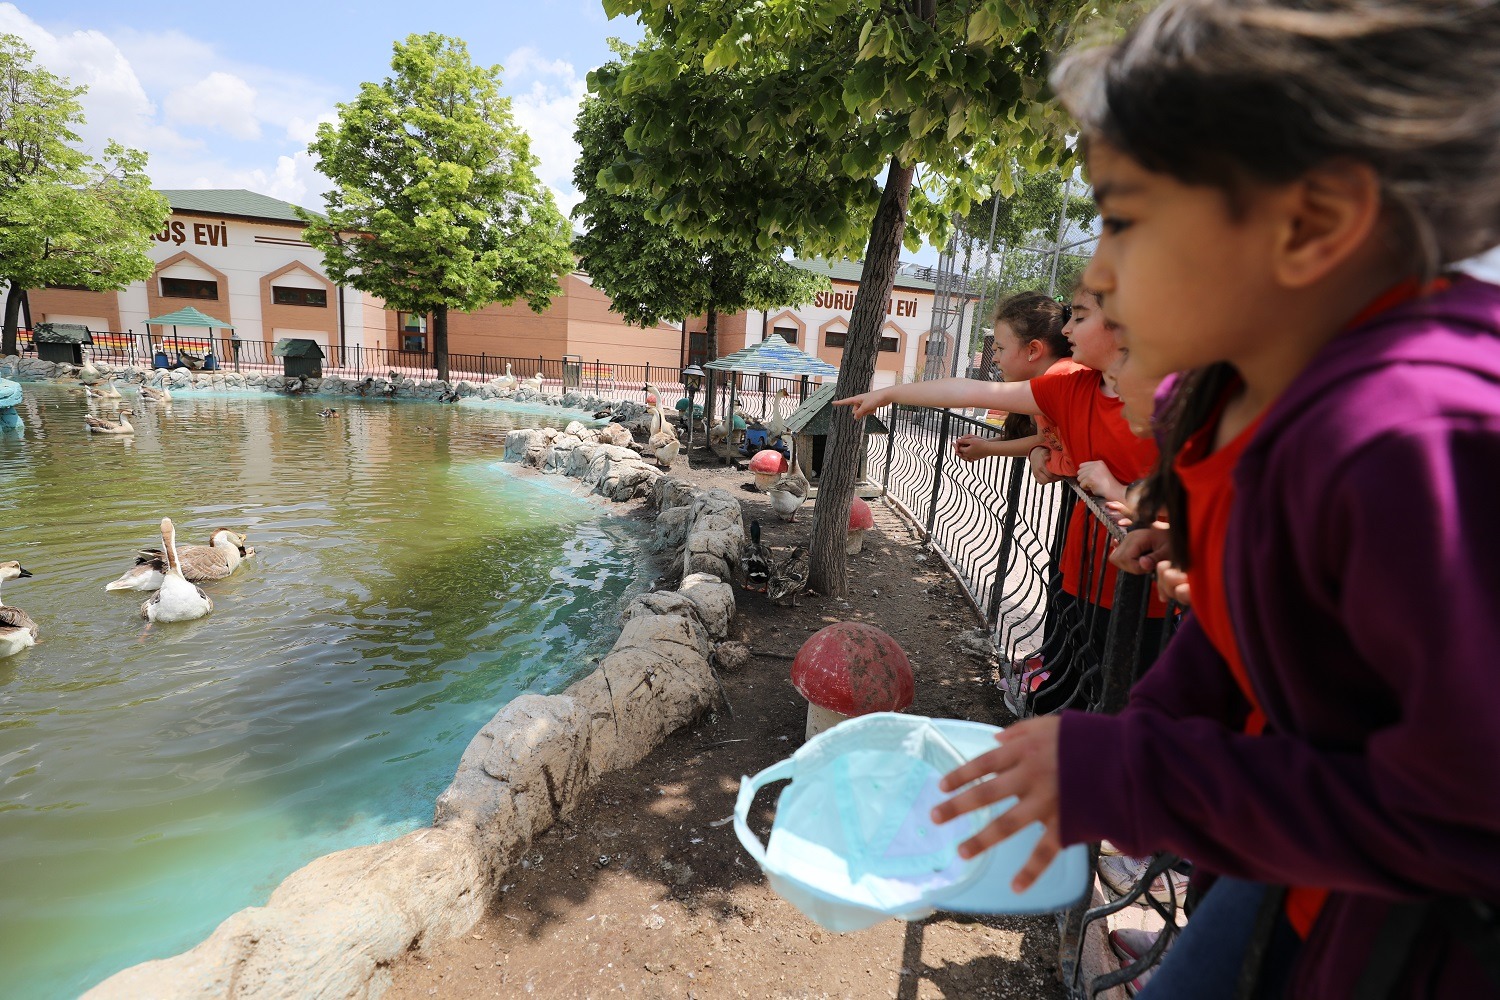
1057	395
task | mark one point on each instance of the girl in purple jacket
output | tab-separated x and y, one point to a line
1283	185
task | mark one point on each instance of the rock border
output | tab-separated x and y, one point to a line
334	928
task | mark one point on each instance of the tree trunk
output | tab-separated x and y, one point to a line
710	353
12	312
829	572
440	342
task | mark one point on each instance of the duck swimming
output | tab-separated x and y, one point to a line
98	425
199	563
177	600
17	630
330	412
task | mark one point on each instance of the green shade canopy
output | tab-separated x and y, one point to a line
188	316
772	356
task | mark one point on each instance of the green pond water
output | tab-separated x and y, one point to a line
405	586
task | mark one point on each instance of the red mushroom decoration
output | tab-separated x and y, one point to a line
851	669
860	521
768	466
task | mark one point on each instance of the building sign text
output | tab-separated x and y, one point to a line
205	234
845	300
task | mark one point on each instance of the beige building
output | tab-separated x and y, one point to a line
240	257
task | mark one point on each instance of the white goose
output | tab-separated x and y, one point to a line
535	382
17	630
98	425
776	425
506	381
787	495
200	563
177	600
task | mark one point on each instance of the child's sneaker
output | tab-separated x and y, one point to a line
1130	944
1121	874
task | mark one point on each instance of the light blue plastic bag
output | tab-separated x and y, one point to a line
853	843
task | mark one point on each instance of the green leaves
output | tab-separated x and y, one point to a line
431	172
66	218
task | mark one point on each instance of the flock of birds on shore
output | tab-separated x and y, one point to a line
172	574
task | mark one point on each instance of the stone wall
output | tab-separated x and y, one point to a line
636	415
334	928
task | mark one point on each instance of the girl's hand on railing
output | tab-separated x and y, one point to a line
1024	765
864	404
972	447
1143	550
1172	584
1037	459
1095	478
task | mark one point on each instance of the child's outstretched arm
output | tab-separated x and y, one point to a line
947	393
972	447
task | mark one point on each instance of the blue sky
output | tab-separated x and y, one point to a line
228	95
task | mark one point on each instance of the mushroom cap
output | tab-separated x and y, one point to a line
768	460
854	669
860	517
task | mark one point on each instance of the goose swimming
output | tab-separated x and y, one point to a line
177	600
98	425
17	630
102	390
200	563
152	394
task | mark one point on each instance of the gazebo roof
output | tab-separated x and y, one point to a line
772	356
188	316
813	415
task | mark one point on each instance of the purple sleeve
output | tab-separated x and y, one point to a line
1408	540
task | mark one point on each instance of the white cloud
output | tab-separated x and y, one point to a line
179	109
545	110
219	101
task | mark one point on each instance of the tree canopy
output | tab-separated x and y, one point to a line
436	204
66	218
773	121
652	272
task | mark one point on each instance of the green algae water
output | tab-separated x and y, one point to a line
405	586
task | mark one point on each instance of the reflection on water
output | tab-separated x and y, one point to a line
404	587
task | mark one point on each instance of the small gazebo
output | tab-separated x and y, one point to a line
772	356
189	318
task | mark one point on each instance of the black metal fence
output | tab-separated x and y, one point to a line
1003	535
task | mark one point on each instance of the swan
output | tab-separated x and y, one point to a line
17	630
152	394
200	563
506	381
177	600
98	425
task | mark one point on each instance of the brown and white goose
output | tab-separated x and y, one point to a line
177	600
17	630
152	394
787	495
200	563
98	425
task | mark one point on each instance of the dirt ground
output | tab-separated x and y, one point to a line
648	893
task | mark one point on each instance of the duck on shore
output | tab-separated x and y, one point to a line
17	630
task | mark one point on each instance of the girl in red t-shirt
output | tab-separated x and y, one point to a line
1029	341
